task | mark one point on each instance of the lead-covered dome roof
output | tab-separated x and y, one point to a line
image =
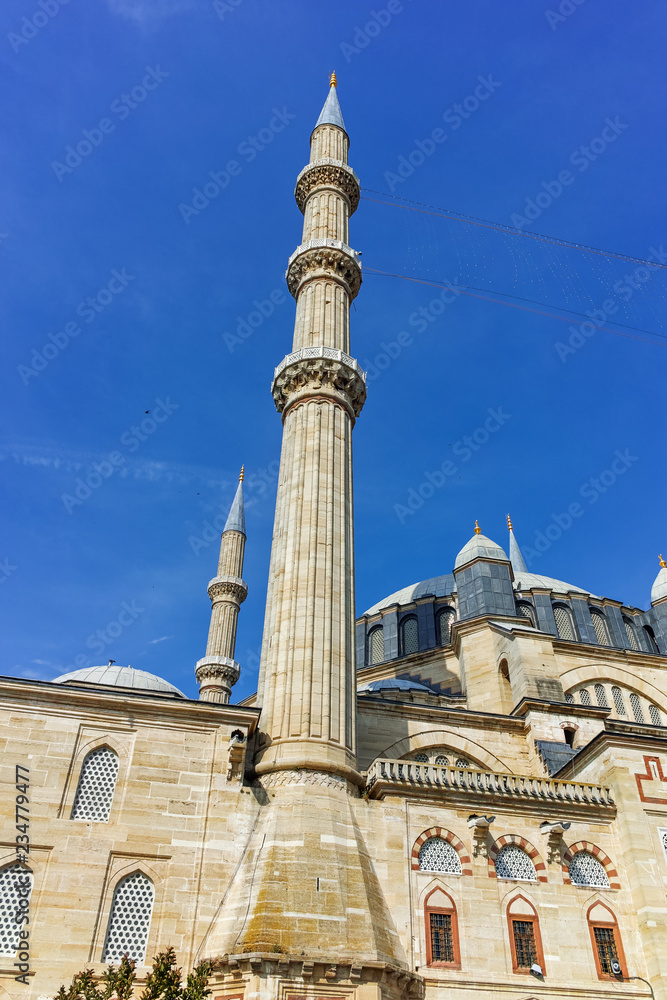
122	677
479	547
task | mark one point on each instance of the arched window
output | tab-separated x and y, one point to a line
421	757
130	919
525	938
654	712
585	696
462	762
442	933
438	855
606	940
600	626
97	783
375	645
619	704
409	636
636	707
513	862
444	620
601	696
630	632
569	698
564	623
525	610
16	882
585	869
441	760
650	638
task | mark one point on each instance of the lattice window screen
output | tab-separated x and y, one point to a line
130	919
409	636
421	757
637	710
654	712
441	760
650	638
601	696
462	762
663	841
513	862
96	786
444	622
525	611
585	869
631	634
376	645
438	855
585	696
9	898
619	704
564	625
600	626
569	698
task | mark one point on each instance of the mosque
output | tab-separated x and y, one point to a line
460	794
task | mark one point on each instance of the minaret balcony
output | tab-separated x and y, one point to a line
328	173
319	371
324	258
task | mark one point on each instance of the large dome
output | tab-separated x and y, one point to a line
122	677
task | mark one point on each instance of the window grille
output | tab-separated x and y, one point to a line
421	757
564	625
376	645
130	919
9	904
444	621
636	707
462	762
630	632
438	855
524	943
655	715
619	704
96	786
409	636
569	698
663	840
600	626
601	696
526	611
442	938
513	862
442	760
585	869
605	942
650	638
585	696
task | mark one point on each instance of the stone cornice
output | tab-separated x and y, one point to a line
327	173
319	371
638	657
559	708
439	715
615	736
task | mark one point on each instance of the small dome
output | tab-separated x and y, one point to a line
659	588
395	684
122	677
437	586
479	547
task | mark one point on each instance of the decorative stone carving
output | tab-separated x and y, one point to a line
216	675
324	259
304	776
327	173
554	834
228	586
317	371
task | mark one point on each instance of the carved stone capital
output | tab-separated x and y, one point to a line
216	675
327	173
228	587
319	371
329	259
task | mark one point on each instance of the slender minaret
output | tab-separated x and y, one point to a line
218	671
307	674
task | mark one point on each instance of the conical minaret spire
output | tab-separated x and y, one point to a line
516	559
218	671
307	675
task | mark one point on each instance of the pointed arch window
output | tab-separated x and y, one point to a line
650	639
601	696
564	622
444	620
619	704
636	707
585	696
97	784
16	882
375	645
525	938
600	626
409	636
606	940
525	610
628	624
442	932
654	712
130	919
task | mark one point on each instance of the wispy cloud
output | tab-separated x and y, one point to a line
152	642
147	12
42	663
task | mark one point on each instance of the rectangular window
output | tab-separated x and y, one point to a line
442	938
524	943
605	942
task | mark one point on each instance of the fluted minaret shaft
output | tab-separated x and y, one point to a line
307	675
218	671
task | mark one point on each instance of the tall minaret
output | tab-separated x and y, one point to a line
307	674
218	671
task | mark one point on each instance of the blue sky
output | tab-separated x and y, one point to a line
141	300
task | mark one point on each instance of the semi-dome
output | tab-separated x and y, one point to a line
479	547
659	588
112	675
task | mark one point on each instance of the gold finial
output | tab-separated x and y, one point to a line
509	523
662	562
478	530
242	473
333	82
